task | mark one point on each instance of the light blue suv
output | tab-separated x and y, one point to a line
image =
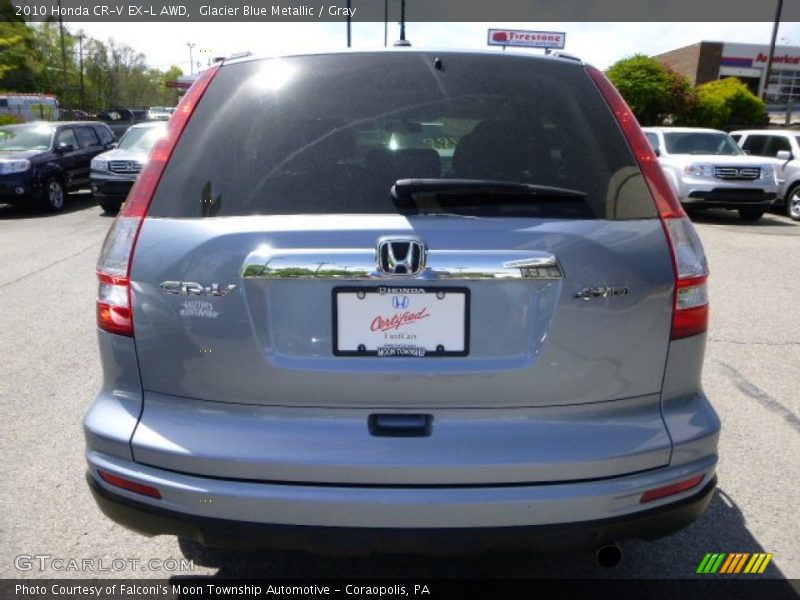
402	301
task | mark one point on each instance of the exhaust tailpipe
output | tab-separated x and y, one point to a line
609	555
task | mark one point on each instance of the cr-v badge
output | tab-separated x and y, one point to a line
185	288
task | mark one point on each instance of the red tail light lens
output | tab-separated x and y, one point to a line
690	310
690	315
114	308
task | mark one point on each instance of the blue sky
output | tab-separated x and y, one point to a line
598	43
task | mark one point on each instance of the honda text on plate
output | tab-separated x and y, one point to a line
402	301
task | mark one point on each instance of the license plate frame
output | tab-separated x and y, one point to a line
398	290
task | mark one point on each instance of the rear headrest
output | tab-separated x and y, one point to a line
500	150
320	143
412	163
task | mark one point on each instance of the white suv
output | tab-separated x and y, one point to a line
707	169
782	149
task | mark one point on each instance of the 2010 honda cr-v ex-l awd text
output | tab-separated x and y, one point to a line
402	301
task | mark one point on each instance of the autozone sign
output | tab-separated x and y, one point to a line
529	39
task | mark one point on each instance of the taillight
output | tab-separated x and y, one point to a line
114	306
690	309
690	315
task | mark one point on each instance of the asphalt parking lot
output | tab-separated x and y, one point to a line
50	371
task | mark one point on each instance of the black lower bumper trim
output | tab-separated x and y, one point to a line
730	198
112	190
224	533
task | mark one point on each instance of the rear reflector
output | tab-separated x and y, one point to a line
114	307
129	485
671	490
690	302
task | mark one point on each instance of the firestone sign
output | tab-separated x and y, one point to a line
528	39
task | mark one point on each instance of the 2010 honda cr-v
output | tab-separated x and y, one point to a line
401	300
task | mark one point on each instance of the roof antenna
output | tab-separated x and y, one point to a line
402	41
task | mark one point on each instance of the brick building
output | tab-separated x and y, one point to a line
708	61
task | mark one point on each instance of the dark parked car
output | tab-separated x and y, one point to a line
119	120
42	162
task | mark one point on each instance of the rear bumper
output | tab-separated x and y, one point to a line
648	524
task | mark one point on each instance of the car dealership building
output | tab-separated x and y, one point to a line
708	61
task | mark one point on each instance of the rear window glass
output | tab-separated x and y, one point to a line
332	134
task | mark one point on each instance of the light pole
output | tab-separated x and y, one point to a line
772	48
63	52
83	89
349	39
191	58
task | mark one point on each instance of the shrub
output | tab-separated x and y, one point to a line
726	102
6	119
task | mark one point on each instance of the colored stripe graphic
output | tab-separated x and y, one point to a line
711	563
702	566
728	564
741	563
765	563
736	561
758	563
724	563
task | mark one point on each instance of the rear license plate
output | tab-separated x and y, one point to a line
400	321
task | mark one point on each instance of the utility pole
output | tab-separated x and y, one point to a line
385	23
772	48
191	58
63	53
80	55
348	24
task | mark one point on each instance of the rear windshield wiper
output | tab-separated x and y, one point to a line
428	192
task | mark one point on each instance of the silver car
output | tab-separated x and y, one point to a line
402	301
113	172
706	169
782	149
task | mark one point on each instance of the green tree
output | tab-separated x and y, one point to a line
114	75
17	52
654	92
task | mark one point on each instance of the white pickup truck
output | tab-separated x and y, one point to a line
707	169
782	149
